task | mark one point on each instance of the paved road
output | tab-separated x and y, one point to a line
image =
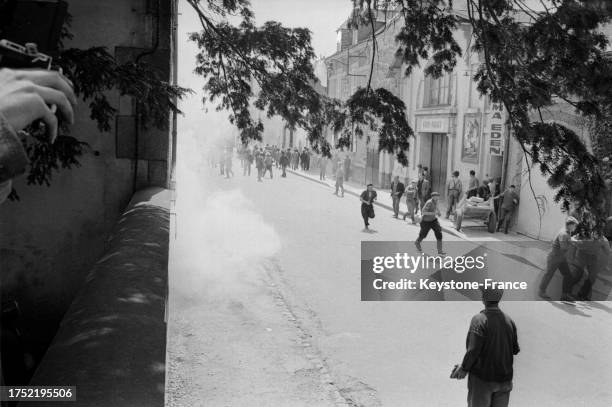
288	252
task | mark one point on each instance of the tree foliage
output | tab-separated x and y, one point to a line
271	68
530	60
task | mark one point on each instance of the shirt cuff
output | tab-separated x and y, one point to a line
13	157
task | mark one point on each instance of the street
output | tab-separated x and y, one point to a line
264	309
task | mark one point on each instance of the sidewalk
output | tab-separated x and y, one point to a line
515	245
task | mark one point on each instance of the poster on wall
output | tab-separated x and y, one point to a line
471	139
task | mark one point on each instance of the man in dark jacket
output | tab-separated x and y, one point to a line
284	161
423	190
492	342
510	200
367	205
397	191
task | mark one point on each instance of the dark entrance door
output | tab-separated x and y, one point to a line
439	158
371	170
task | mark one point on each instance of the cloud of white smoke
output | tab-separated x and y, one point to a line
220	240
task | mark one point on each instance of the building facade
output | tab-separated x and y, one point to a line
455	128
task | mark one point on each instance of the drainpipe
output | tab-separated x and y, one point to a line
137	110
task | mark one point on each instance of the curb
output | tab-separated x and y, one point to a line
381	205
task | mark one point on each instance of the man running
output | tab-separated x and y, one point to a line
429	220
367	205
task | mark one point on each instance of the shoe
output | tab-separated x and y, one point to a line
568	298
395	216
418	247
542	294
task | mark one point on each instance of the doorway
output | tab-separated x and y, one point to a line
438	148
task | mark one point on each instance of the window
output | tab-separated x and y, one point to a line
437	91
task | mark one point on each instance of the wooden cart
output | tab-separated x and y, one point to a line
483	212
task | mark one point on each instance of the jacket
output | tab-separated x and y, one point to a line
399	189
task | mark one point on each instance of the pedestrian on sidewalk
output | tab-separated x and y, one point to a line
492	342
221	160
284	162
558	260
347	167
510	201
259	164
397	191
295	159
411	201
339	178
429	221
268	163
600	257
306	160
248	162
454	191
323	167
228	163
423	190
473	184
367	198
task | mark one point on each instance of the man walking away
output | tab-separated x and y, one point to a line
558	259
339	178
454	193
510	201
429	221
599	261
323	167
472	185
411	201
347	167
367	205
397	191
268	162
492	342
228	163
248	162
284	162
259	164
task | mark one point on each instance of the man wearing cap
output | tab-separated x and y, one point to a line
558	260
492	342
429	221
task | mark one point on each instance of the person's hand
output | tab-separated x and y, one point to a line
458	373
29	95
